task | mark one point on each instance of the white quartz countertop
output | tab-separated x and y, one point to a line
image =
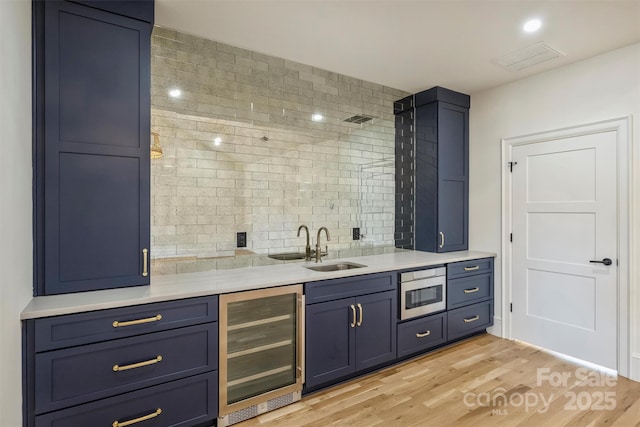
188	285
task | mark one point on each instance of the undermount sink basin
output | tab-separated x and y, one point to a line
288	256
336	267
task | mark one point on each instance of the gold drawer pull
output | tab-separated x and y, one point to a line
441	240
154	414
471	319
360	310
118	368
155	318
475	267
425	334
145	262
353	312
470	291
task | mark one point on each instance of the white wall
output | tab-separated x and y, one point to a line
600	88
15	198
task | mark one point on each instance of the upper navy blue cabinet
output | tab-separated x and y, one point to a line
91	136
439	170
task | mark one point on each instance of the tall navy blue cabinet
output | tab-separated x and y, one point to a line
91	137
439	168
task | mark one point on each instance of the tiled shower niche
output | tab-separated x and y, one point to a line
243	153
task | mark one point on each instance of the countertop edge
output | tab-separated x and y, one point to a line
215	282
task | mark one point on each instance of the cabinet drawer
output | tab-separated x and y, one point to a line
467	320
329	290
471	267
181	403
77	375
84	328
421	334
469	290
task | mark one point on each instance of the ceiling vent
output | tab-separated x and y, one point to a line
358	119
528	57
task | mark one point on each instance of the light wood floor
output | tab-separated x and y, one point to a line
467	385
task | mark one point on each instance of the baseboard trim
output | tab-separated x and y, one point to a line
635	367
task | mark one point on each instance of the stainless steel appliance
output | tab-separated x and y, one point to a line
261	352
423	292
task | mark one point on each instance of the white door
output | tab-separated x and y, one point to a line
564	215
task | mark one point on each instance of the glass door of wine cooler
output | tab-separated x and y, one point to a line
260	346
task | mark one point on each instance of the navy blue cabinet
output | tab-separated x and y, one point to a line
376	331
91	137
469	297
185	402
349	335
439	170
419	335
330	343
161	362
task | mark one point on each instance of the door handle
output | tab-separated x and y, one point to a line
353	313
360	310
441	240
605	261
145	262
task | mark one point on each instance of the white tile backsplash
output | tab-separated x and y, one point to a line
274	168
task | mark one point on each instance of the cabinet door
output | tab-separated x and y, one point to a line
376	329
94	151
453	179
426	178
330	343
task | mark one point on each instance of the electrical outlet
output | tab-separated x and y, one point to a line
241	239
356	233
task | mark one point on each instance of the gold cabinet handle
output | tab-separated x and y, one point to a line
353	312
360	310
155	318
441	240
470	291
154	414
145	262
118	368
424	334
471	319
475	267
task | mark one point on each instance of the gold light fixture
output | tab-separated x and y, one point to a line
156	150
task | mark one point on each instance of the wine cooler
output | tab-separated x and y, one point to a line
261	345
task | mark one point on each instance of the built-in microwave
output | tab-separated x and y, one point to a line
423	292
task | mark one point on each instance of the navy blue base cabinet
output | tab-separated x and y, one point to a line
156	363
420	335
91	145
345	336
469	310
469	297
435	154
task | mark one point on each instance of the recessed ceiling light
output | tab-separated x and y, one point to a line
532	25
175	93
217	141
317	117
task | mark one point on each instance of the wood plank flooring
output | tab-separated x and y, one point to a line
483	381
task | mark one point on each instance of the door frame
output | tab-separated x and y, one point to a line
622	127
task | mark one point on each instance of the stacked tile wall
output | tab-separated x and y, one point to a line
272	168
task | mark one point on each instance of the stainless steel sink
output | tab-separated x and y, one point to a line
287	256
336	267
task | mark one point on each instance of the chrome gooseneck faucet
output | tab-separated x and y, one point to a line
307	252
318	250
